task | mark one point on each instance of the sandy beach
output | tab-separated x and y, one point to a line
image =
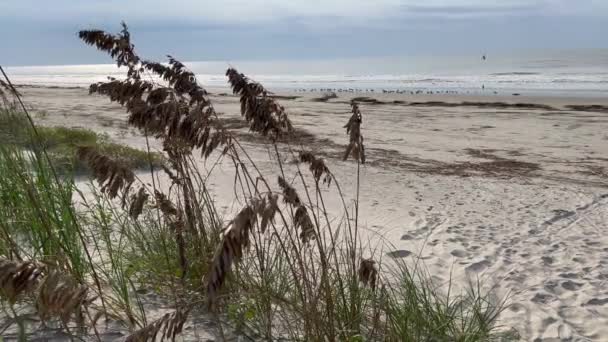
509	189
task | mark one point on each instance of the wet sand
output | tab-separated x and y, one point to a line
512	190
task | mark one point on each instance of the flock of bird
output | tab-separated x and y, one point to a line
384	91
389	91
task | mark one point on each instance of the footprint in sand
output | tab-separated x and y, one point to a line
402	253
597	302
571	286
434	242
550	285
459	253
478	266
547	260
407	237
592	243
541	298
516	307
423	227
559	214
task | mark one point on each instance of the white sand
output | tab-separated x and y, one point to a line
539	235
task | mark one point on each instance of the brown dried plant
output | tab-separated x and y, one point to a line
180	79
174	178
368	273
168	326
61	296
301	218
177	228
261	111
290	196
353	129
234	241
178	113
4	90
8	94
317	167
18	277
177	119
119	47
111	175
138	200
175	220
266	208
165	205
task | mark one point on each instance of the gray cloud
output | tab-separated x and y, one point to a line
43	32
257	11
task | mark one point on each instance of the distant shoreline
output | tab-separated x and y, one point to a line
441	99
580	74
490	101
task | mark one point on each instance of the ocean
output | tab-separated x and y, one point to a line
582	73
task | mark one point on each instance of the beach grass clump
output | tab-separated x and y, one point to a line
36	211
281	267
62	143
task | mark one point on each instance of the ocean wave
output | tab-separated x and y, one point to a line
568	81
426	80
515	73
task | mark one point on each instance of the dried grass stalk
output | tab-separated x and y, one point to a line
169	326
125	92
353	129
268	212
117	46
175	220
290	196
234	241
301	217
177	119
61	296
302	221
165	205
112	175
137	203
4	86
368	273
17	277
4	90
180	79
177	226
317	167
171	174
261	111
266	208
179	112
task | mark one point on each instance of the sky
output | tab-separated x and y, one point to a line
34	32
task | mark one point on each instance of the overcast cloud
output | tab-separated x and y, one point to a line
36	32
